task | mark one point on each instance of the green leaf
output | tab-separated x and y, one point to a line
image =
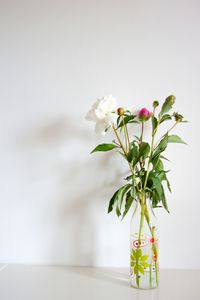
165	118
138	139
161	146
154	122
155	199
154	161
141	269
163	157
129	177
122	191
144	257
175	139
162	175
118	197
133	190
104	147
144	150
157	189
158	193
127	119
118	212
112	201
135	269
148	190
138	253
158	164
144	264
133	155
129	201
122	154
159	167
132	257
133	252
168	184
167	105
132	264
118	120
164	202
157	186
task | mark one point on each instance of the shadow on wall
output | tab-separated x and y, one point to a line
77	183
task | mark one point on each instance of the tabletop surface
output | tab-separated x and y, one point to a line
35	282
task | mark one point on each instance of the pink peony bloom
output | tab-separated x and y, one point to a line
144	114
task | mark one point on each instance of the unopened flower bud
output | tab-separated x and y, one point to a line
178	117
120	111
155	103
144	114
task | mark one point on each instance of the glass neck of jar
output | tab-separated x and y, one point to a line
145	203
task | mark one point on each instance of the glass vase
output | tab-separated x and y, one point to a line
143	245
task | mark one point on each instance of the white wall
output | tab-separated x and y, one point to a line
56	58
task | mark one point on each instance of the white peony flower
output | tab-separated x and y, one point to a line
104	113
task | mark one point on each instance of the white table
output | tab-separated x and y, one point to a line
33	282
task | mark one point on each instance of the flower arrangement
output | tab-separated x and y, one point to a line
145	161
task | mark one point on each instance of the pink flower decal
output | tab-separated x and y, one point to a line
152	240
144	114
139	244
155	258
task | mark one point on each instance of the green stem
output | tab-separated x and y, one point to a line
142	132
149	161
128	139
153	147
125	136
125	153
119	140
141	224
155	252
150	275
156	267
141	139
165	134
142	201
151	151
154	248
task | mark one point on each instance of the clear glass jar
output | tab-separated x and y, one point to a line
144	245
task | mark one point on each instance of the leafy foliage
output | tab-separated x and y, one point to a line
167	105
118	198
154	121
104	147
129	201
175	139
148	175
161	146
144	150
133	155
165	117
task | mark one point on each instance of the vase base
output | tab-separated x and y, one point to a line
143	288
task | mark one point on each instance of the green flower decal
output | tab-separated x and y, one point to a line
138	261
